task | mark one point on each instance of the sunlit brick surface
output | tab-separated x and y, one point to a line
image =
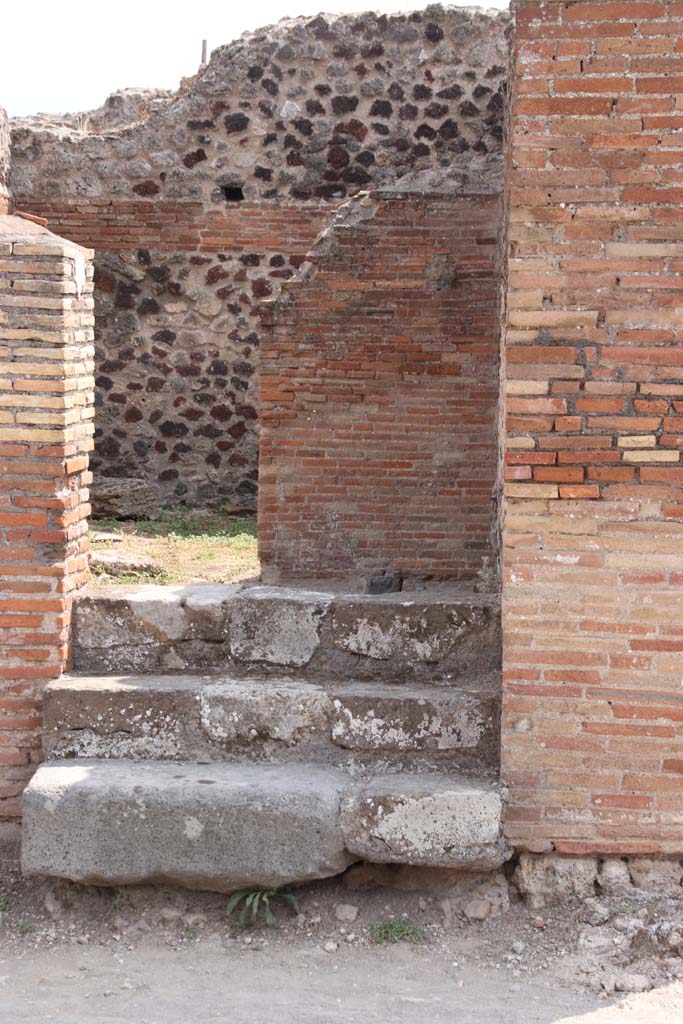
593	538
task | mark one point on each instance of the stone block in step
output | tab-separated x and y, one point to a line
217	827
211	717
430	820
152	627
226	826
381	717
146	716
448	634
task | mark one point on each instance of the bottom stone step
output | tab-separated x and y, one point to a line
207	826
225	826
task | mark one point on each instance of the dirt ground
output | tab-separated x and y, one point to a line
297	985
295	982
86	955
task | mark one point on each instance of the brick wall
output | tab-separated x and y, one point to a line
293	118
593	579
45	436
119	225
379	388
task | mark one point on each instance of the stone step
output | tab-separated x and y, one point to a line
444	635
219	717
228	826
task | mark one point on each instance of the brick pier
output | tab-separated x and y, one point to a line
46	414
593	584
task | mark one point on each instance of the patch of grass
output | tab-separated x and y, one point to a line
193	547
256	905
100	573
4	903
397	930
25	927
183	524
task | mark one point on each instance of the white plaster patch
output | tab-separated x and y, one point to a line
370	639
372	731
80	276
90	743
193	828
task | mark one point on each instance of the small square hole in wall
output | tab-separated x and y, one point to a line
232	193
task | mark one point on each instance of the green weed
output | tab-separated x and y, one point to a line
257	905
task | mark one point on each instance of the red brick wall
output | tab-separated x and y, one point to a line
593	562
46	409
118	225
379	388
178	287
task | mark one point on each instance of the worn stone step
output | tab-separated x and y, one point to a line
216	827
218	717
225	826
445	635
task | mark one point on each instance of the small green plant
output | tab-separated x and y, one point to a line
258	903
397	931
24	927
4	903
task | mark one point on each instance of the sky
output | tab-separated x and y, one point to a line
68	57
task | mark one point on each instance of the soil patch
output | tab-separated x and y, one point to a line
190	547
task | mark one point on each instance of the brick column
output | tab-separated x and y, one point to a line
46	411
593	535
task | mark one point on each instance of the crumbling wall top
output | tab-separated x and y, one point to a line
121	109
18	229
308	109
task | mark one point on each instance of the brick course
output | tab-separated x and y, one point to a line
593	646
46	410
168	227
379	389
